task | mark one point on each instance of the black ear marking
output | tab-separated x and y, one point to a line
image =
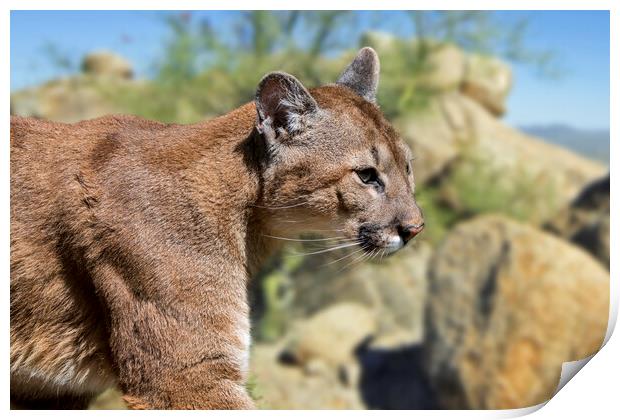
282	104
362	75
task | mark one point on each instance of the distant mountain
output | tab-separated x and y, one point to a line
590	143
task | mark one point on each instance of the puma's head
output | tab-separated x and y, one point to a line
334	163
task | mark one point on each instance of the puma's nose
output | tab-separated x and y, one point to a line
407	232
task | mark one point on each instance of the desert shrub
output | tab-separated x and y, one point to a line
272	296
438	217
204	73
476	184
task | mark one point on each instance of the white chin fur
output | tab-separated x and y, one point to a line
395	243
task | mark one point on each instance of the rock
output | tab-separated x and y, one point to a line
508	304
108	400
586	221
565	172
106	63
316	367
81	96
487	80
346	324
457	129
445	62
62	100
435	135
282	386
381	378
393	289
380	41
446	68
73	99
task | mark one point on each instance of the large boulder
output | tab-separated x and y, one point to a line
394	289
82	96
108	64
445	68
436	135
507	305
347	324
586	221
336	360
469	92
315	365
351	330
64	100
487	80
455	128
280	385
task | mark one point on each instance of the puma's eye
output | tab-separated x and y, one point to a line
408	168
369	176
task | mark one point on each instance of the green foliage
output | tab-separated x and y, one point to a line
253	389
277	297
476	185
202	73
438	217
483	32
402	88
58	59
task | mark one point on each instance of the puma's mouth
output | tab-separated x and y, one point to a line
371	240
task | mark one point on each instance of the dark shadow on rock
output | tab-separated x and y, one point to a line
393	379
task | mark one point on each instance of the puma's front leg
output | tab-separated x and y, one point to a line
181	361
183	350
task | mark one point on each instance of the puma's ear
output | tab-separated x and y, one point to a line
362	75
283	105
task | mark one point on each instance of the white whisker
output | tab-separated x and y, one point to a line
359	258
347	245
372	254
306	240
312	229
342	258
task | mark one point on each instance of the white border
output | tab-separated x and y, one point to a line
310	5
592	393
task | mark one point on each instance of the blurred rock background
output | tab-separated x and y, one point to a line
510	278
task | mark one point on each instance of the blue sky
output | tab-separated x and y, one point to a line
579	39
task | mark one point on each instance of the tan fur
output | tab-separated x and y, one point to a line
132	242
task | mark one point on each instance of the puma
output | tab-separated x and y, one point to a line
133	241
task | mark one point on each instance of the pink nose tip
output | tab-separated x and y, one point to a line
408	232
